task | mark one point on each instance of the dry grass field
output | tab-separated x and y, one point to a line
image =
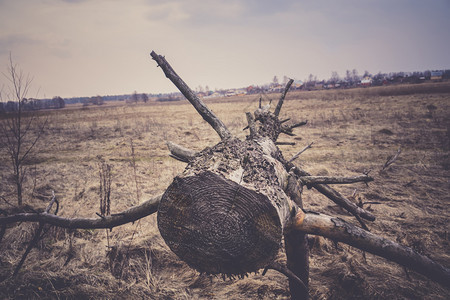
352	130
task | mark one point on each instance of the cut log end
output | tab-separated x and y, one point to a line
218	226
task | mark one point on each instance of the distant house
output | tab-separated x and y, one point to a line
231	92
297	84
436	75
366	81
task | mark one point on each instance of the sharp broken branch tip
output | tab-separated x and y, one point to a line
101	216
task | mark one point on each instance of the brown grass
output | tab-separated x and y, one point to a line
352	130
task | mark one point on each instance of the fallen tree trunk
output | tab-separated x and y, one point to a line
227	211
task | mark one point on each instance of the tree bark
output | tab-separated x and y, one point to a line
226	213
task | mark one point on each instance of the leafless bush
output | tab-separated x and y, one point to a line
19	130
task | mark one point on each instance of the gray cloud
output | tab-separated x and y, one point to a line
10	42
103	45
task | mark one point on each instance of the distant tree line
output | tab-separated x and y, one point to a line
97	100
353	79
32	104
135	98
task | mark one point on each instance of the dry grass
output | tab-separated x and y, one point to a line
352	131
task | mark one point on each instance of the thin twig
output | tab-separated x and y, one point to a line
391	159
300	152
49	207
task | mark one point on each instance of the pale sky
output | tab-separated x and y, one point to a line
101	47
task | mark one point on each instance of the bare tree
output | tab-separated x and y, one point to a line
349	77
355	76
275	80
19	131
311	81
334	77
135	97
144	97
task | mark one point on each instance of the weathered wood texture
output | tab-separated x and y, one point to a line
217	226
227	211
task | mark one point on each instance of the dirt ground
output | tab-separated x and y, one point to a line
353	131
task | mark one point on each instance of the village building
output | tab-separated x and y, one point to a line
436	75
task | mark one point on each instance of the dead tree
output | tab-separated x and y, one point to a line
230	210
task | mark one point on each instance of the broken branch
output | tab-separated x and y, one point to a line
341	231
333	195
201	108
312	180
180	153
280	102
130	215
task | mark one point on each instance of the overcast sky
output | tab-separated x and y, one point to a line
101	47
